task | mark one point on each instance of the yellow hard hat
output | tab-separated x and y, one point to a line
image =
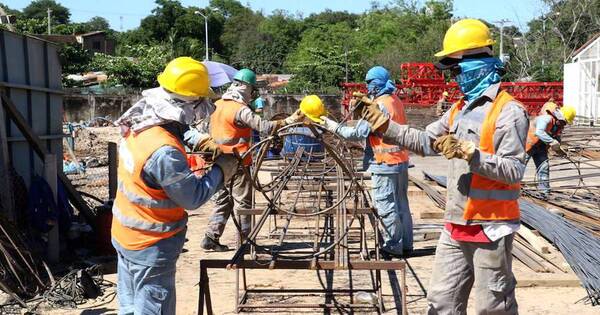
313	108
185	76
569	113
465	34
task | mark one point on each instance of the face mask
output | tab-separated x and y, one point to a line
476	75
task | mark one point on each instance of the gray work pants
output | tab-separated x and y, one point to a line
224	206
459	266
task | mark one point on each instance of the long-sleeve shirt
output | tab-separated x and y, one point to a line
360	133
246	118
507	164
541	123
167	169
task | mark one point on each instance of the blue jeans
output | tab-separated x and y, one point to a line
144	290
539	154
391	201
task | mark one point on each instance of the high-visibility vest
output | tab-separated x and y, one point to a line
224	131
388	153
553	129
143	215
489	199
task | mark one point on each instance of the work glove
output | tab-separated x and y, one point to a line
556	147
229	166
329	124
297	116
451	148
208	144
369	111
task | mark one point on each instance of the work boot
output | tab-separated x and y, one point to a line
210	244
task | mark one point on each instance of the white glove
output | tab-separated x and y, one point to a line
329	124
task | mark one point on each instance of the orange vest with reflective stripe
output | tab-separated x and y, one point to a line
143	215
533	139
388	153
225	132
489	199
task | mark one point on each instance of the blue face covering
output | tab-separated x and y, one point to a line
477	75
378	82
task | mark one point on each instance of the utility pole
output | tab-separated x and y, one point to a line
49	21
502	22
205	32
121	20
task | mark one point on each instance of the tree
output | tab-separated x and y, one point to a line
138	71
322	58
97	23
37	9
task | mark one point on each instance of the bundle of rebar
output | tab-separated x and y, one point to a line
580	248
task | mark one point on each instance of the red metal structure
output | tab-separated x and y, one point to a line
421	84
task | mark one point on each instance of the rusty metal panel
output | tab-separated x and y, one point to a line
30	74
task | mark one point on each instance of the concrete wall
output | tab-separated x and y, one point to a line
86	107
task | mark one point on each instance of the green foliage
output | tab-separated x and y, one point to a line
74	59
320	49
140	70
37	9
322	57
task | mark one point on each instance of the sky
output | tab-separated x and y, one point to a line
128	13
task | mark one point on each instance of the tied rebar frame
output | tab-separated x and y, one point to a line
323	193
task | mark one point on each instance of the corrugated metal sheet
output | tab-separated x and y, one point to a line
30	74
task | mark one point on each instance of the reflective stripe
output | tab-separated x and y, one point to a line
494	194
387	150
233	141
148	226
146	202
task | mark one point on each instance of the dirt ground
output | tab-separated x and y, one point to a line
537	293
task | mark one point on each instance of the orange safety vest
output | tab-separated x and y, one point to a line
533	139
489	199
143	215
388	153
225	132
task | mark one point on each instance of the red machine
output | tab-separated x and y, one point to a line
421	84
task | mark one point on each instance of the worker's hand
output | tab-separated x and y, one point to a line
297	116
451	147
369	111
329	124
557	148
228	164
208	144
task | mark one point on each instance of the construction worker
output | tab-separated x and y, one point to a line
231	128
483	135
388	165
156	185
544	132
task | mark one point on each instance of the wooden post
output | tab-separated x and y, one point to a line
6	194
112	170
51	176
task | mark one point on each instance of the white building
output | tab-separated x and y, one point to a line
581	81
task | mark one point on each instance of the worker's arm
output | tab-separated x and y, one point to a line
245	117
507	164
540	128
358	132
415	140
168	169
